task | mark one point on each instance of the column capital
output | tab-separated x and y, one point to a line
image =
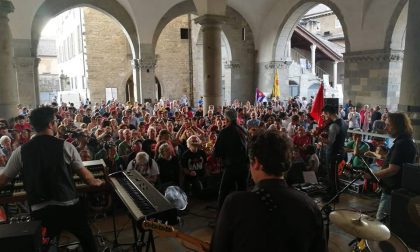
313	47
6	7
147	64
211	20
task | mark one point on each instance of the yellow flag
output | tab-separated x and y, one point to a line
276	88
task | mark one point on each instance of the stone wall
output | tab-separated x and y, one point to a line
373	77
238	59
172	59
27	93
108	56
243	57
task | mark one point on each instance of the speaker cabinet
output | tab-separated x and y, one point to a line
20	236
411	177
405	217
333	102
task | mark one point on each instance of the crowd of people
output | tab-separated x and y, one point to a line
171	142
174	143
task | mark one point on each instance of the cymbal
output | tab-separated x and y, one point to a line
360	225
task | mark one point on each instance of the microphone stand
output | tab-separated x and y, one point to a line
369	171
328	208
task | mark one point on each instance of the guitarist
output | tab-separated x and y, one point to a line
403	150
272	217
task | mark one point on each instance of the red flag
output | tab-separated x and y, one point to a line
318	104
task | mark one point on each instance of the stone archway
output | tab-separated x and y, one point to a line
287	28
51	8
280	53
395	34
242	61
395	45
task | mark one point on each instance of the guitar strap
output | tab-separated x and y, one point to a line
266	199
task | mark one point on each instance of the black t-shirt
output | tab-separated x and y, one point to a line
283	219
403	151
376	115
194	161
86	119
198	113
168	170
147	146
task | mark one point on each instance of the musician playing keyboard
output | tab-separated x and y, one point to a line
46	165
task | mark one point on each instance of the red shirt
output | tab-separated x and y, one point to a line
301	140
21	127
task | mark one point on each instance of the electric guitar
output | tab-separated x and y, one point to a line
170	231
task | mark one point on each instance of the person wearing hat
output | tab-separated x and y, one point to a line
231	147
273	216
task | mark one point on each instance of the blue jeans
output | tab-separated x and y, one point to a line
384	208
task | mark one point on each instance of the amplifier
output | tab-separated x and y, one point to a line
356	187
411	177
19	237
405	217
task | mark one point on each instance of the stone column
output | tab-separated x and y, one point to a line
289	49
147	64
313	50
27	80
211	26
373	77
410	79
335	74
136	81
8	87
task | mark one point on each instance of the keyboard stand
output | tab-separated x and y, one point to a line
149	243
116	244
138	244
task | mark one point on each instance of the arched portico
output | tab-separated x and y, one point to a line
241	63
395	44
281	48
51	8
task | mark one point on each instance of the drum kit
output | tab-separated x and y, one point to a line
372	235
